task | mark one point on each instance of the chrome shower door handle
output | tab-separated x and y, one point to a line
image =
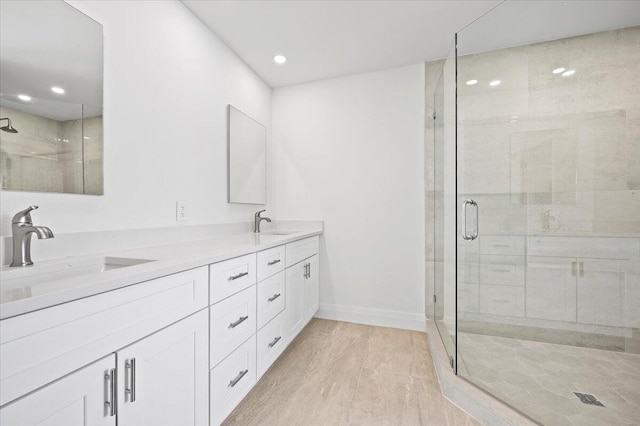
465	235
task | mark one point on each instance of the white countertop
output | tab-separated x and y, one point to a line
167	259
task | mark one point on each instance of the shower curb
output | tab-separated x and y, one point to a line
476	402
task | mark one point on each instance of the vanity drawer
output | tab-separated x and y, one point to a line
502	270
232	321
270	262
270	344
231	276
271	297
231	380
502	275
42	346
493	244
502	300
302	249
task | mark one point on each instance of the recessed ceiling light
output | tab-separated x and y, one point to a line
279	59
558	70
472	82
86	137
513	121
58	90
568	73
25	98
495	83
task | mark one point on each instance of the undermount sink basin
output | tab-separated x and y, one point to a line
278	232
54	271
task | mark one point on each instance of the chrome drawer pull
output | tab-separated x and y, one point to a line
273	262
238	378
274	297
240	275
276	340
110	379
501	270
130	372
501	245
238	322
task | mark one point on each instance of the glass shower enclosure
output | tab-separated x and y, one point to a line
537	209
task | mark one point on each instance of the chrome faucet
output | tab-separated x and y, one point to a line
22	228
257	220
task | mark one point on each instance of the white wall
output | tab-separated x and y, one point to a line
167	82
350	151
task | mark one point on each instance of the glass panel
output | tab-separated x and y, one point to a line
548	145
444	206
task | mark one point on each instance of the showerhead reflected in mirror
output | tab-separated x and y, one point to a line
8	128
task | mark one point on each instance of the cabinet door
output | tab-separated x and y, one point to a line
551	288
163	378
294	306
75	400
601	292
311	288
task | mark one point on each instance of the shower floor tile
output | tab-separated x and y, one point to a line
540	379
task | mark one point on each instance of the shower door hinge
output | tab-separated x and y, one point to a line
434	298
434	115
451	361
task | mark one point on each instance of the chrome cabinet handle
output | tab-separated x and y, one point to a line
239	377
273	262
130	373
274	297
274	341
240	275
466	236
574	269
110	403
582	269
307	270
238	322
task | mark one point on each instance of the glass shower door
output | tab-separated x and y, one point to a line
548	195
444	303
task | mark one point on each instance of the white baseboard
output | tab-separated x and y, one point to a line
377	317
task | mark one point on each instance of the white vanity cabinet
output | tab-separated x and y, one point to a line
158	325
163	378
77	399
182	349
302	286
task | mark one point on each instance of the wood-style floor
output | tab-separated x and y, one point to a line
338	373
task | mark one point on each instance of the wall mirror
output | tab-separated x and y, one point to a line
247	159
51	74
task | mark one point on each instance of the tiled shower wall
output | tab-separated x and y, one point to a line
542	153
47	155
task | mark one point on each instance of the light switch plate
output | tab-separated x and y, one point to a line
181	210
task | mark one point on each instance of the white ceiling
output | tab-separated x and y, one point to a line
45	44
324	39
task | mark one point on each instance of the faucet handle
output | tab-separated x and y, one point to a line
23	216
258	212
